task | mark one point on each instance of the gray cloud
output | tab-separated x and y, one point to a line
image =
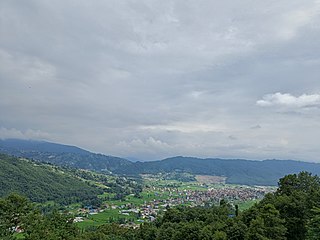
151	79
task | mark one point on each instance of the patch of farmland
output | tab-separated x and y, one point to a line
207	179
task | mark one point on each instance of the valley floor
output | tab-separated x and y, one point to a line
159	194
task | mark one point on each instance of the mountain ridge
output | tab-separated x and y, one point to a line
63	155
237	171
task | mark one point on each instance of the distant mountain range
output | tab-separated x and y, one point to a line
237	171
60	154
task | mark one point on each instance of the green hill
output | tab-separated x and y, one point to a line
43	182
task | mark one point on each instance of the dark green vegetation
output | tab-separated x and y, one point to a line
292	213
56	185
42	182
236	171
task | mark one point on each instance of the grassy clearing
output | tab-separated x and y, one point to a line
247	204
87	223
19	236
107	216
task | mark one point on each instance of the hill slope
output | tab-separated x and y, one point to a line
63	155
42	182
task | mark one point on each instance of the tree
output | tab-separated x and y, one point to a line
13	210
206	233
236	229
256	230
313	227
188	231
295	198
264	222
51	226
166	231
219	235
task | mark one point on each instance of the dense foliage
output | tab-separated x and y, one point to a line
292	212
43	182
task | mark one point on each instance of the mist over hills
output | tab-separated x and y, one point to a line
237	171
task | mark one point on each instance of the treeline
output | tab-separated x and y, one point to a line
291	213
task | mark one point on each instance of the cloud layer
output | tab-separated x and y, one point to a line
152	79
287	100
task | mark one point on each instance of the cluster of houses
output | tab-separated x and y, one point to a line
236	193
169	197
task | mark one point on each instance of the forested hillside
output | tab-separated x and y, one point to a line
42	182
237	171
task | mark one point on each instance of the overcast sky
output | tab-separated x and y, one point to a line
152	79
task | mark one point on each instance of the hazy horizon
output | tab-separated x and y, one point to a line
133	159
